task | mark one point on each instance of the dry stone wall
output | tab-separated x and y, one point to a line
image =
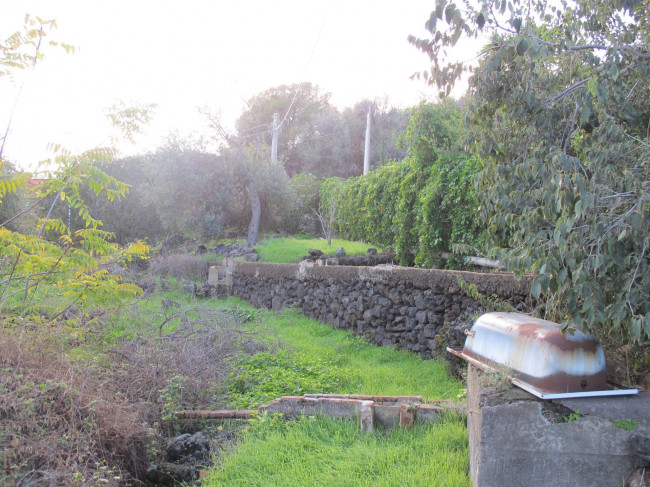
418	310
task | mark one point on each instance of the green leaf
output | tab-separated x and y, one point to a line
480	20
522	45
536	289
449	12
577	208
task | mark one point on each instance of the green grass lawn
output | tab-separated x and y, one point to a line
329	452
378	370
286	250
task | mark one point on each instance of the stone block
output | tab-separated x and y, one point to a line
513	442
366	416
406	416
387	415
213	275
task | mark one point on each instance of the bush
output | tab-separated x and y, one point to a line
297	215
59	426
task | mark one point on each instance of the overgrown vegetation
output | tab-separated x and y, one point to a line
265	376
375	370
560	118
422	207
322	451
109	385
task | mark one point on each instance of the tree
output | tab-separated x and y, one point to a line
388	126
264	187
423	206
299	106
14	200
51	275
561	120
327	216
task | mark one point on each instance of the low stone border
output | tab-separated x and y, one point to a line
387	411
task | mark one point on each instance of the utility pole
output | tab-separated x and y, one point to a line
274	142
366	152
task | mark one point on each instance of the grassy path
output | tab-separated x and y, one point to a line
327	452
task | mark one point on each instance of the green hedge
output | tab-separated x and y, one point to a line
419	207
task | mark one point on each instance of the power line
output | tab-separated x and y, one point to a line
256	127
320	30
321	136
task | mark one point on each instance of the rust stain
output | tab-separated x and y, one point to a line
538	353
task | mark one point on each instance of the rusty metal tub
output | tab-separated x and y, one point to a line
538	357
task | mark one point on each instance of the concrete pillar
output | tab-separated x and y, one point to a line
367	416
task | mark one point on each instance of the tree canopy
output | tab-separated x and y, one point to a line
315	137
560	116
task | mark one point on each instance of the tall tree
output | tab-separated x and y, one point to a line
299	106
388	126
561	114
263	186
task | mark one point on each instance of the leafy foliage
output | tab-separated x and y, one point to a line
51	267
314	137
421	206
12	194
37	274
561	121
297	215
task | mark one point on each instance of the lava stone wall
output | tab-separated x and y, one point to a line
419	310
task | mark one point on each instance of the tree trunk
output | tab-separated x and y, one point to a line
256	211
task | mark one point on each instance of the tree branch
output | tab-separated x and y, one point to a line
568	91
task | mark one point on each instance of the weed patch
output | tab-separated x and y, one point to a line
57	426
181	266
266	376
100	418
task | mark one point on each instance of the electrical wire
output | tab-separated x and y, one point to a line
313	50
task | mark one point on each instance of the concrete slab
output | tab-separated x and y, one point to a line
517	439
635	408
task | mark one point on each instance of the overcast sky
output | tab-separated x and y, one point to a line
181	55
